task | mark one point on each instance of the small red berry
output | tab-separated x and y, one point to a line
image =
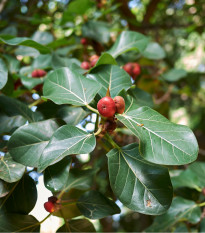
38	73
93	60
136	70
49	206
119	104
53	199
106	107
128	68
84	41
85	65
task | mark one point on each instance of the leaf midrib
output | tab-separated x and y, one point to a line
138	178
158	136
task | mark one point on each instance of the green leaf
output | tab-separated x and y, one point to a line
10	171
78	7
161	141
28	142
65	141
94	205
180	210
24	41
13	63
3	74
174	75
80	179
111	76
199	168
43	61
186	178
58	62
16	107
127	41
96	30
141	186
4	188
56	176
29	82
9	124
23	199
105	59
141	97
154	51
64	86
71	115
78	225
18	222
42	37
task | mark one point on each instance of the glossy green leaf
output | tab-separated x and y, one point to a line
26	42
10	171
154	51
105	59
96	30
94	205
65	141
64	86
141	186
43	61
141	97
9	124
16	107
111	76
58	62
80	179
3	74
56	176
42	37
28	142
78	225
161	141
76	8
23	199
18	222
13	63
186	178
174	75
4	188
198	168
29	82
72	115
180	210
127	41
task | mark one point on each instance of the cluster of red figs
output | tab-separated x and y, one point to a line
108	107
52	205
86	65
133	69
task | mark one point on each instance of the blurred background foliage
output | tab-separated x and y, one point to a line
174	76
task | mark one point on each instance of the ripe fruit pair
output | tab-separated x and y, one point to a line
38	73
52	204
86	65
133	69
107	106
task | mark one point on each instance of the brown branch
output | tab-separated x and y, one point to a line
165	97
2	4
150	11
